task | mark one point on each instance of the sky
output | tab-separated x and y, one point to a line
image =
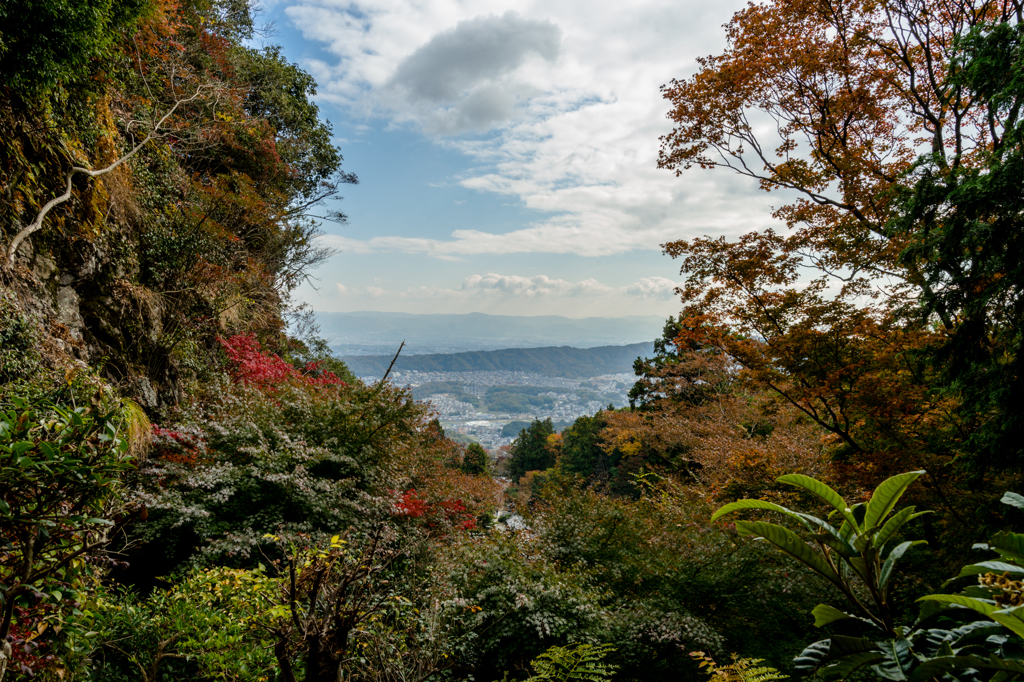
507	152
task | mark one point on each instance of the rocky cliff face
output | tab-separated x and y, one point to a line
88	309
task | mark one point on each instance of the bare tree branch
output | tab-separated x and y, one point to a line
37	224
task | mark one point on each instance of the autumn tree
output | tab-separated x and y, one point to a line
844	316
188	164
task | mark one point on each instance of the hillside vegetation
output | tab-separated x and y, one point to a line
189	492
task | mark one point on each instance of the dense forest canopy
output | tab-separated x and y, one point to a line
190	491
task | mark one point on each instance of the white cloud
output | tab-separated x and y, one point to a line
463	78
539	285
661	287
568	92
517	295
493	285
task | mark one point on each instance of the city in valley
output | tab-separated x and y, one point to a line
491	407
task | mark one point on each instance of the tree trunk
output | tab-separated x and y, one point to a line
5	656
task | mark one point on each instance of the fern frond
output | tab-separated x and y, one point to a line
574	663
740	670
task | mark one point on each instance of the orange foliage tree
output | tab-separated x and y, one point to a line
828	315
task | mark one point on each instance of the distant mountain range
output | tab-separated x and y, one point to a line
572	363
374	333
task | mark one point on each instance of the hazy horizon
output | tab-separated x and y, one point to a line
380	332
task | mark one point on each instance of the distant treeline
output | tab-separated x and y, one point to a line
563	361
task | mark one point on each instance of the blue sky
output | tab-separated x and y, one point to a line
506	152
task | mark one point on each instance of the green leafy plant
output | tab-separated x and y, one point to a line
854	559
203	624
740	670
573	663
853	556
60	468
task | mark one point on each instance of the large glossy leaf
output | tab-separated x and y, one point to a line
984	608
1011	619
791	544
850	653
899	659
813	656
1014	500
823	491
844	646
838	544
848	665
898	520
886	495
757	504
825	614
895	555
936	667
957	637
1009	545
990	567
860	566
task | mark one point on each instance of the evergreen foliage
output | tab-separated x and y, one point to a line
582	451
532	451
474	462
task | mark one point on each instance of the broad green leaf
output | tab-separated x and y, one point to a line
839	545
21	447
1012	619
989	567
886	495
1008	544
755	504
984	608
791	544
860	567
895	555
813	655
844	646
823	491
935	667
823	524
899	658
1013	499
899	519
848	665
977	629
825	614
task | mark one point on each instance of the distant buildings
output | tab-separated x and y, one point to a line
570	399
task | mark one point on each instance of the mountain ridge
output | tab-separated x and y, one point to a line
555	361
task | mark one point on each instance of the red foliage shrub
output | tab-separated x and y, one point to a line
266	371
178	447
447	512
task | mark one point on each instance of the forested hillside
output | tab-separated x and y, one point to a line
575	363
190	492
